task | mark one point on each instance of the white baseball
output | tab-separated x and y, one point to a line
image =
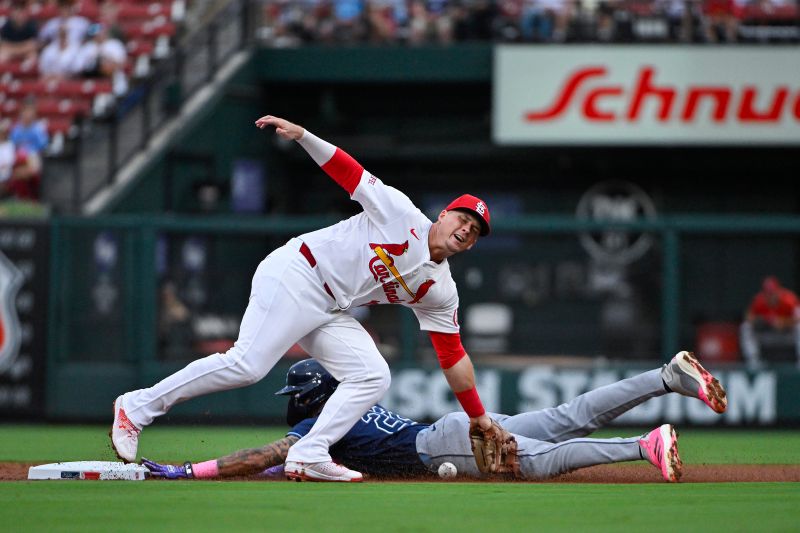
447	471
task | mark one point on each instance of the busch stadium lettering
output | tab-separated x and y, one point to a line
425	395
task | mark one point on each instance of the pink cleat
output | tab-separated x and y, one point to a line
124	434
661	447
685	375
325	471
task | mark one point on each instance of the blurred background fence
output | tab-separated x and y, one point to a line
133	298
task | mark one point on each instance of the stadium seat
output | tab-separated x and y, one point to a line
142	12
150	28
19	70
61	125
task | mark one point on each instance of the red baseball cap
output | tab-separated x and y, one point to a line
476	206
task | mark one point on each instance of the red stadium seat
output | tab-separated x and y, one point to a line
140	47
19	70
9	108
71	88
61	108
141	12
43	12
776	13
59	125
138	30
23	88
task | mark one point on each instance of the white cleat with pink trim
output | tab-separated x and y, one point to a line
325	471
685	375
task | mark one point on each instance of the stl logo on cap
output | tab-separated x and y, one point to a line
481	210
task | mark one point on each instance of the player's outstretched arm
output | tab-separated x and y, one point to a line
283	127
461	378
460	374
240	463
255	460
337	163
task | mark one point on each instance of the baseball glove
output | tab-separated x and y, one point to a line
495	449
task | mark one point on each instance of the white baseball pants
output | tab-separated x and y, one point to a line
288	305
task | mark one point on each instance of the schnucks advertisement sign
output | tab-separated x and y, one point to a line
646	95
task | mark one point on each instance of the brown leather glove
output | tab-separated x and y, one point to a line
495	449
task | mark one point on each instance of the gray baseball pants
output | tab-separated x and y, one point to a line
550	441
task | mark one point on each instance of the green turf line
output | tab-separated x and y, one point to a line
23	443
388	507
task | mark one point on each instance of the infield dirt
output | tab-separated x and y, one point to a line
595	474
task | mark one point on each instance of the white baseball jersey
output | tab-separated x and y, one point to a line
381	255
378	256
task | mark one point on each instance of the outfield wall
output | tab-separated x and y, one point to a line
111	277
100	336
765	397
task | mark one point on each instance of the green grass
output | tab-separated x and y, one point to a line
267	506
243	506
25	443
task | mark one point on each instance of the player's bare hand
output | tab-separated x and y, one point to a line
283	127
483	422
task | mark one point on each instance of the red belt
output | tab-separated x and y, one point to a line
306	251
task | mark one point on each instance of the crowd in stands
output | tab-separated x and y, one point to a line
289	23
64	61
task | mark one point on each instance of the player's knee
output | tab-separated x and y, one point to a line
385	382
251	376
379	377
383	378
246	373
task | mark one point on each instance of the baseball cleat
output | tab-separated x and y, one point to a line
685	375
661	447
325	471
124	434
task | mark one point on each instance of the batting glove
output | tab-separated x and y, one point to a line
273	472
168	471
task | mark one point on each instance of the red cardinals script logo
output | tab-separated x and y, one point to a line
382	268
597	100
10	334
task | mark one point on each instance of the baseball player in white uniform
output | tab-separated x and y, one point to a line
389	253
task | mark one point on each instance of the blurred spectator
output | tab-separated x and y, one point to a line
67	18
350	23
441	20
505	25
296	22
536	21
29	133
382	22
773	315
420	24
103	56
18	35
58	59
109	17
19	171
721	23
8	154
683	18
175	334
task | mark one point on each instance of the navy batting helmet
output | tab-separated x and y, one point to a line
309	386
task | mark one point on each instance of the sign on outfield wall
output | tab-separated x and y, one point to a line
678	95
23	318
754	398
